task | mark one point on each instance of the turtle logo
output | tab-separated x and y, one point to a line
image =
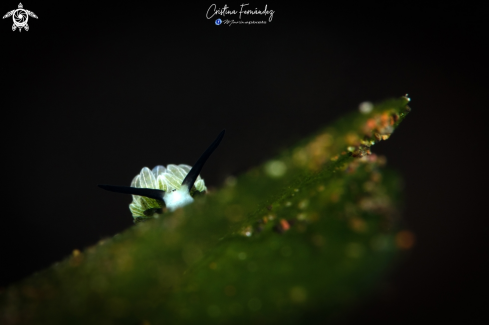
20	17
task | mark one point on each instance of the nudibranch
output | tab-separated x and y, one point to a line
172	187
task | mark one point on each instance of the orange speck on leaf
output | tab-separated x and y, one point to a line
358	225
405	239
335	197
285	225
371	123
384	119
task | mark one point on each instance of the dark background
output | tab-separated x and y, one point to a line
95	91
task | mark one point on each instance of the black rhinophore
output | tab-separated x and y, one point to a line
189	180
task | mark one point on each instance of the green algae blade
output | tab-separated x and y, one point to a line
305	235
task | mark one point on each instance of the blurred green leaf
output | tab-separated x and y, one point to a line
307	234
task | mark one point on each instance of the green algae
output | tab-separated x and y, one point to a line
310	232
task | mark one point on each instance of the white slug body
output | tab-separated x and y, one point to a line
177	198
172	187
168	179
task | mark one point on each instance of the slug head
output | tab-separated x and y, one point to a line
177	198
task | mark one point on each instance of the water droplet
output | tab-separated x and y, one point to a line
275	168
303	204
365	107
298	294
231	181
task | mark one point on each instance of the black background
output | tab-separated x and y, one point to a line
95	91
